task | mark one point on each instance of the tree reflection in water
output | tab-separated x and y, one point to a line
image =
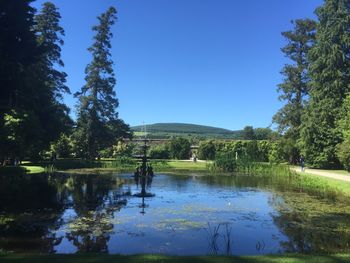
95	206
31	207
312	224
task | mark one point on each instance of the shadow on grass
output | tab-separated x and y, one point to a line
12	170
99	258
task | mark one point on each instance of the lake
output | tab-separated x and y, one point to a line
181	215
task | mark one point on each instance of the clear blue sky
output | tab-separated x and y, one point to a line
210	62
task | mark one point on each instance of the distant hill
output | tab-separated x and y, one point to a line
166	130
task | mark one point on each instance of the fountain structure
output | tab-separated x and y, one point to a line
143	176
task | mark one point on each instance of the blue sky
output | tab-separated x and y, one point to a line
210	62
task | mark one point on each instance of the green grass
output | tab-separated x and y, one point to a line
34	169
341	186
176	165
99	258
22	169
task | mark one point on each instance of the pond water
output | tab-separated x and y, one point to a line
183	215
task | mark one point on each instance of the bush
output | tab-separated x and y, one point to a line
159	152
251	151
226	161
276	154
179	148
207	150
119	149
264	149
63	146
343	153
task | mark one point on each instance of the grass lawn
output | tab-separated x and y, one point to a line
333	183
99	258
34	169
178	165
342	186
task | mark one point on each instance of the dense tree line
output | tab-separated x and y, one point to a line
314	120
32	112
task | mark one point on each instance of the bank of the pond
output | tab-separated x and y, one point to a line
340	175
332	181
310	183
22	169
99	258
86	166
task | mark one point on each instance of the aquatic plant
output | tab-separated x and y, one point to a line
213	235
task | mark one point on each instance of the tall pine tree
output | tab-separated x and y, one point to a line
18	52
32	114
53	113
330	81
295	87
98	125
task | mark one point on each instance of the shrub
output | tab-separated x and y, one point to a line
63	146
159	152
264	149
343	153
276	154
206	150
179	148
226	161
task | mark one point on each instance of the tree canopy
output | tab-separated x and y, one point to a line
98	125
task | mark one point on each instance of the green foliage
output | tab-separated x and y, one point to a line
295	86
49	37
159	152
263	133
122	149
264	149
179	148
248	150
343	153
276	153
225	161
240	155
31	114
207	150
252	150
330	78
343	149
248	133
98	126
63	146
21	131
18	51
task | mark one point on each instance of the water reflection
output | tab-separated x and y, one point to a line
313	225
94	205
179	215
31	209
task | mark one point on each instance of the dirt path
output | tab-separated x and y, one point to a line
328	174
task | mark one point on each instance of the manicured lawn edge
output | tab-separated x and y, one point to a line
339	185
97	258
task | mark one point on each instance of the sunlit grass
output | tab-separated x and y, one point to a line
34	169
